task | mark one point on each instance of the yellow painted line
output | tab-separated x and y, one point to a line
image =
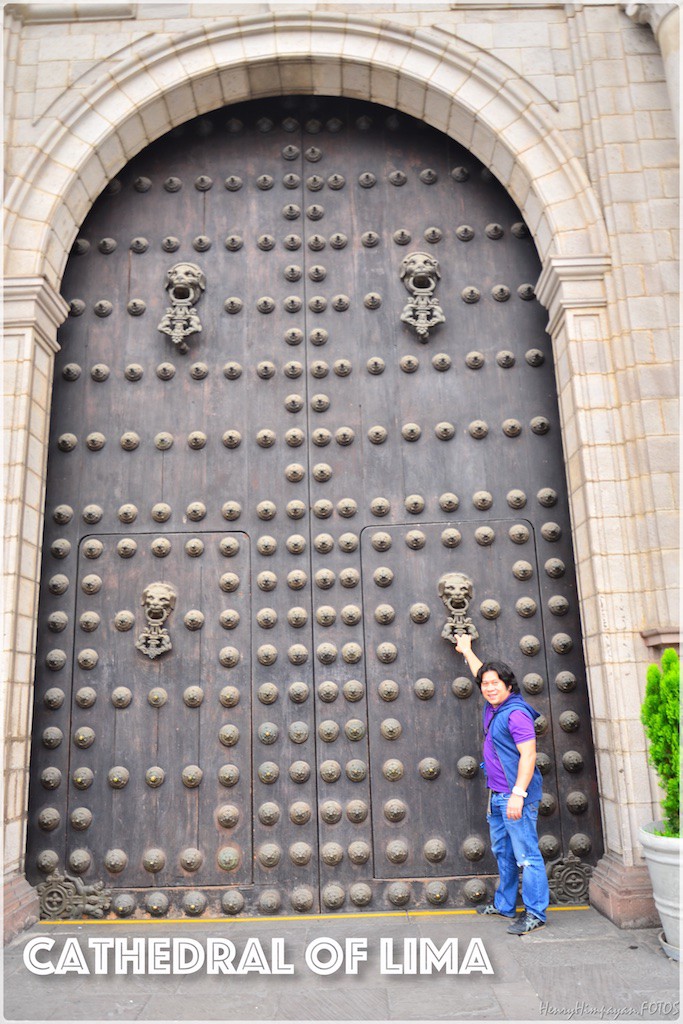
228	919
433	913
581	906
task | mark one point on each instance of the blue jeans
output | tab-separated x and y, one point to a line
515	845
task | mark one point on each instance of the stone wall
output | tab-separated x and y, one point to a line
569	105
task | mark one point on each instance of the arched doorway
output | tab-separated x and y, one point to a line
300	479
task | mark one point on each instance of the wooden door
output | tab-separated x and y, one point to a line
298	467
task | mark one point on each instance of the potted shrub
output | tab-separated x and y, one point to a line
661	840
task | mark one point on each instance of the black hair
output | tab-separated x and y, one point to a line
503	671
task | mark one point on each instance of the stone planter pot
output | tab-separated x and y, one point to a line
663	858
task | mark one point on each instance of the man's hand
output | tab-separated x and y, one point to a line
515	806
463	644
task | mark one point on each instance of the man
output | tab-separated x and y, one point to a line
514	784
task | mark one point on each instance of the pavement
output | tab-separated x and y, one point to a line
578	968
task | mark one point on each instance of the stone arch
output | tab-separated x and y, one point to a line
474	98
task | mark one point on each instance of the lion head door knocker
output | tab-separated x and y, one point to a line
420	273
185	283
158	600
455	590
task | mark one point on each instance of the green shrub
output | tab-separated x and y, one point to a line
661	717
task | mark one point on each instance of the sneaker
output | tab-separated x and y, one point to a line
525	924
491	910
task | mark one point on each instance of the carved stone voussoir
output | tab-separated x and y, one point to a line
648	14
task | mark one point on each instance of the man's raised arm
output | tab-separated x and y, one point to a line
464	646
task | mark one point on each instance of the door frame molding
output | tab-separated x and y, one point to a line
474	98
120	106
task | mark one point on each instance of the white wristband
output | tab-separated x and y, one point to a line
519	792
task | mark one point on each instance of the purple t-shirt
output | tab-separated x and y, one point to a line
521	728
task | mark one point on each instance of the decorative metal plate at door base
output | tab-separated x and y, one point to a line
62	896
